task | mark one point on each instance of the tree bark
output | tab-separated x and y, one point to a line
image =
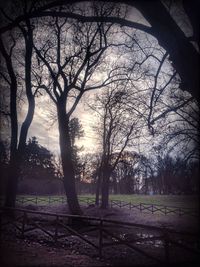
12	182
105	189
115	185
66	157
192	11
183	54
98	186
16	155
13	166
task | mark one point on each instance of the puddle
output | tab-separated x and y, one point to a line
142	239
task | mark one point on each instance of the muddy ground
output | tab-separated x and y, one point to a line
34	251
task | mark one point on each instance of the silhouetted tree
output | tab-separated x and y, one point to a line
17	143
90	170
38	162
173	115
70	74
182	52
63	83
3	165
116	128
124	177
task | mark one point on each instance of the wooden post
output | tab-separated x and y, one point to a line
100	237
140	207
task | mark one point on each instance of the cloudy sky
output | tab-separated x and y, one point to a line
45	127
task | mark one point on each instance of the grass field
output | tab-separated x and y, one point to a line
184	201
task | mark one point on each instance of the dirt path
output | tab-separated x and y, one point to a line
171	221
18	252
23	252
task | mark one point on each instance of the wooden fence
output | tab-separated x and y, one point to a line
153	208
106	233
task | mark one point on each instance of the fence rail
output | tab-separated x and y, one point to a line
153	208
108	233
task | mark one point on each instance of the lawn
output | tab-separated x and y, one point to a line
186	201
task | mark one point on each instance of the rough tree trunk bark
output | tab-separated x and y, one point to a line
17	157
16	154
170	36
98	185
12	182
115	186
66	157
105	189
98	188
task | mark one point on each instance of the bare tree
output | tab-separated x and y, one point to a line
125	176
116	126
18	142
182	52
90	170
172	113
70	68
67	75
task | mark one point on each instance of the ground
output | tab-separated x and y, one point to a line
187	201
23	252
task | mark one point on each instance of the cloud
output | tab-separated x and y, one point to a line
45	126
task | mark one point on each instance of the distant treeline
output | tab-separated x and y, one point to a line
134	174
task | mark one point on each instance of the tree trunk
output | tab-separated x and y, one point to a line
97	191
183	54
16	158
66	157
105	189
12	182
115	185
98	188
16	153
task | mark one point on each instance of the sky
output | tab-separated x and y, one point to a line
46	130
44	125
